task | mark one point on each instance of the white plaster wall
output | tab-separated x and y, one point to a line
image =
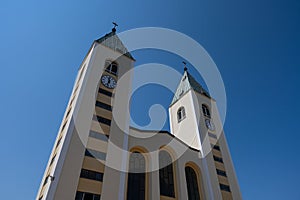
187	129
116	159
70	158
181	154
56	168
215	117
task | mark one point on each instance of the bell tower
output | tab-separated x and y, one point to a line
184	113
195	120
76	168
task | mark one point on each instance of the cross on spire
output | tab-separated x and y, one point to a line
114	28
184	64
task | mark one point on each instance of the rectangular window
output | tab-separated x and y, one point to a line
103	105
221	172
52	160
79	195
46	180
97	176
218	159
99	136
58	142
216	147
63	127
69	110
95	154
96	197
225	187
105	92
212	135
86	196
71	102
102	120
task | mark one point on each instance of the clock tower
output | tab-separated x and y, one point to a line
76	169
195	120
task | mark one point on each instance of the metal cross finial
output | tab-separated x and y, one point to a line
185	68
115	25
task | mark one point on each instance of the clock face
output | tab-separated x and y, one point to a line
108	81
209	124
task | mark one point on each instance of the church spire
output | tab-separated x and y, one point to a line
187	83
112	41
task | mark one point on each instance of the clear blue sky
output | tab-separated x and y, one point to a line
255	44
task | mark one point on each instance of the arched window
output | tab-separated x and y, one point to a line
180	114
111	67
136	177
166	178
205	110
192	183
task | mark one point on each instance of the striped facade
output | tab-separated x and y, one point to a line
84	162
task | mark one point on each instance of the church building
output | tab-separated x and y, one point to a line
98	155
